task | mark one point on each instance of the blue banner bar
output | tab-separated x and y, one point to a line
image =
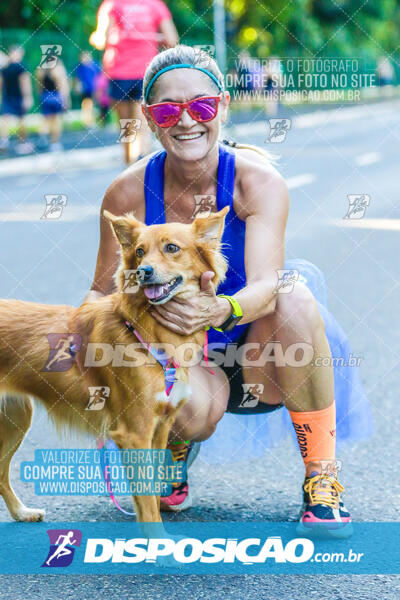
189	548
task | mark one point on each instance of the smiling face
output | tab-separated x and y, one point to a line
188	140
169	259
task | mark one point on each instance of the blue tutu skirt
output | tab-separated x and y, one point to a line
241	437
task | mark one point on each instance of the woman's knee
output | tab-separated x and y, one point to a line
299	311
195	426
199	417
209	426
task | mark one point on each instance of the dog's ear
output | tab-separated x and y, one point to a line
210	228
125	228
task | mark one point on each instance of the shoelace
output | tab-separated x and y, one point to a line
180	454
177	455
324	489
180	487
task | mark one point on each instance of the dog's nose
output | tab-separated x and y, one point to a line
145	272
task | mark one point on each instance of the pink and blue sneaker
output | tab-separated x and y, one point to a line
323	512
180	498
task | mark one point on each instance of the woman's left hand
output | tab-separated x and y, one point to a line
187	315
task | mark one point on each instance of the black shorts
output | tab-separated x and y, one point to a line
86	95
243	401
126	89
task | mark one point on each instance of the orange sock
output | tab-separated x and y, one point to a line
316	433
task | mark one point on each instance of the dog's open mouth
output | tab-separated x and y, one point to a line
156	292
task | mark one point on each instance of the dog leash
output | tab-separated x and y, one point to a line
205	354
102	446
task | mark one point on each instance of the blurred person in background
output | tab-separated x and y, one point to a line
103	99
385	71
272	78
54	100
17	99
248	77
3	59
86	74
244	76
130	32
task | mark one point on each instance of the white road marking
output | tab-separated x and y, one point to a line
315	118
383	224
34	212
27	181
68	160
335	115
368	159
300	180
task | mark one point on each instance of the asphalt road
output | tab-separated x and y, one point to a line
325	157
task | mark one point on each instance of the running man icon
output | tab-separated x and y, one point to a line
98	397
251	394
50	54
131	285
62	547
63	347
55	204
128	130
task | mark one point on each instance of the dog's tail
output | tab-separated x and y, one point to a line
8	399
13	402
16	411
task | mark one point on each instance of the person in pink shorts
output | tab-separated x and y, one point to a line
130	32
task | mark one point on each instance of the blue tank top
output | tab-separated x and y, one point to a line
233	238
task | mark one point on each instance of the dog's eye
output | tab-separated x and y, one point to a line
139	252
171	248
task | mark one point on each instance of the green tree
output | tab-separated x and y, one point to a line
265	27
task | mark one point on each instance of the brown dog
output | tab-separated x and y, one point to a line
168	260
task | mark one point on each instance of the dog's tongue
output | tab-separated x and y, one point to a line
154	291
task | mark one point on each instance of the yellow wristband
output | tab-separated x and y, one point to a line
237	309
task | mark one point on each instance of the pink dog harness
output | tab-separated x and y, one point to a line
168	364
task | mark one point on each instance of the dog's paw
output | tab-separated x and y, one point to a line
168	562
29	515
